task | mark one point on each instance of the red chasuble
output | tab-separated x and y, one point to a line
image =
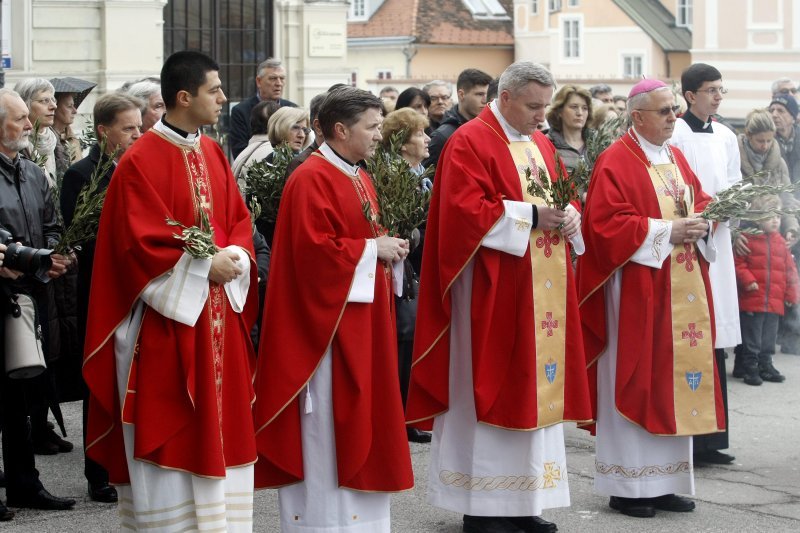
190	388
476	173
649	383
320	236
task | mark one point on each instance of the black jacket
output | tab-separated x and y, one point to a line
239	132
451	121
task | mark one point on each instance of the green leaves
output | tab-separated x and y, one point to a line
89	205
734	202
199	239
402	201
264	183
556	193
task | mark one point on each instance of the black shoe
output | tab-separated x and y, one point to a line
42	500
714	457
489	524
770	373
103	492
55	438
45	447
415	435
752	377
738	371
533	524
5	514
674	503
636	507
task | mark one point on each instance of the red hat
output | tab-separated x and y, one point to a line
645	86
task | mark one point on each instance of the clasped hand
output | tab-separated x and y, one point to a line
568	222
688	230
223	267
392	249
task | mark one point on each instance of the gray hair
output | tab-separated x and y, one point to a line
270	62
29	88
437	83
521	73
5	91
144	89
636	102
780	81
600	88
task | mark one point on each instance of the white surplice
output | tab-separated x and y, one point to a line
317	504
715	159
630	462
475	468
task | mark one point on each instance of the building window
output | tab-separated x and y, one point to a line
486	8
354	79
632	66
358	10
384	74
574	3
572	38
553	5
534	7
684	14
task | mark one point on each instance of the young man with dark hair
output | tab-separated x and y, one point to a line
167	352
328	411
713	154
472	88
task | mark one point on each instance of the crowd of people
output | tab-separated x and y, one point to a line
305	354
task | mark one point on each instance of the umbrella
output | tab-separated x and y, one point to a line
78	87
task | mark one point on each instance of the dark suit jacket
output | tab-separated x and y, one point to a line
239	132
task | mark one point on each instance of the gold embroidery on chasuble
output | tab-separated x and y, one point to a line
693	352
548	270
548	480
199	183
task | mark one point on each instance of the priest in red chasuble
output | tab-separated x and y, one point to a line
647	312
329	416
168	359
498	355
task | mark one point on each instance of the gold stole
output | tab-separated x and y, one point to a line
692	348
548	270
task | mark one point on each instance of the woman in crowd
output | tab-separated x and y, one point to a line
68	147
39	95
568	117
416	99
414	149
289	125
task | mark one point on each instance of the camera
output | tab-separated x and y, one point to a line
32	261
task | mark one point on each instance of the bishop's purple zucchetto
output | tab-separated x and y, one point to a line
645	86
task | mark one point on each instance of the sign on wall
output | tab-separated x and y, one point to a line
327	40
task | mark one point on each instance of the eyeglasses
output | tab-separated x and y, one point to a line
787	90
713	91
45	101
296	127
440	98
664	111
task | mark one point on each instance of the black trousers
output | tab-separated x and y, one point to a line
19	464
716	441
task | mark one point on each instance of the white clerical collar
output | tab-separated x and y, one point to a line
190	141
512	134
658	155
344	166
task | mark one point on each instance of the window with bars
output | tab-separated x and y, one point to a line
236	33
683	17
572	38
574	3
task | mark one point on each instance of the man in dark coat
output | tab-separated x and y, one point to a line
117	121
270	81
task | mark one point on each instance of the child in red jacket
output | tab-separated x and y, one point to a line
768	281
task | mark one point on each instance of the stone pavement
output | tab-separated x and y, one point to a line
759	492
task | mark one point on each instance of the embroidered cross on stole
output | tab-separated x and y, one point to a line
692	348
548	258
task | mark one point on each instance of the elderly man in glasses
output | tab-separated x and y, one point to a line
646	312
713	153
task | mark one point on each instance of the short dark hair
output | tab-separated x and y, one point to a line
694	77
600	88
407	97
259	116
471	77
491	92
315	104
108	106
345	105
184	71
